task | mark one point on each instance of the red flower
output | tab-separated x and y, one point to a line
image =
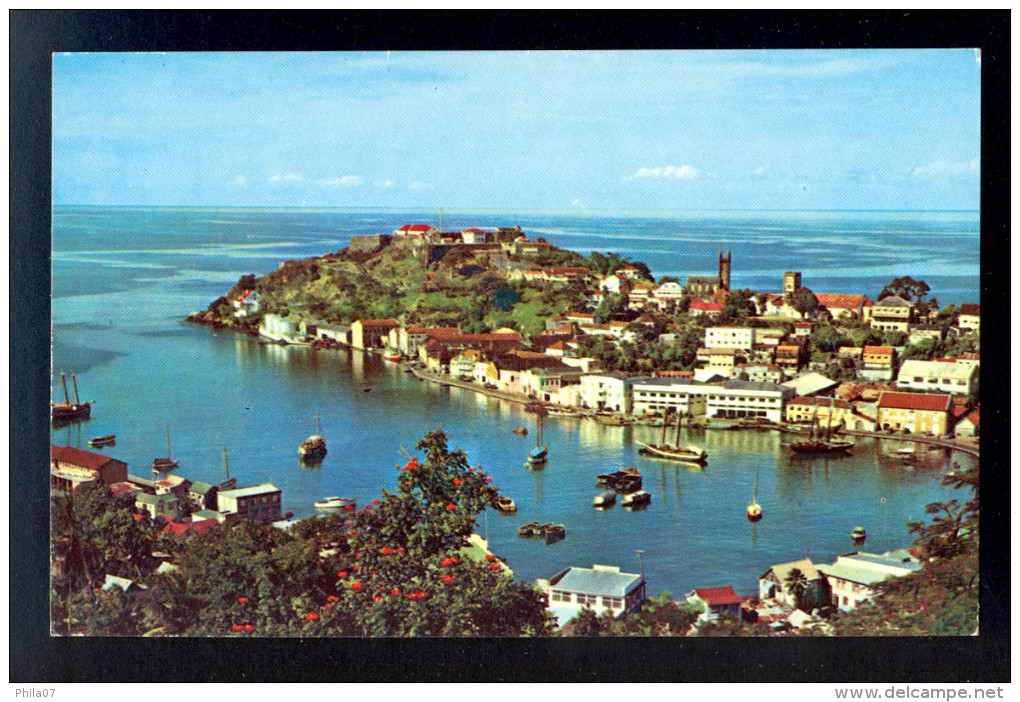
311	616
450	507
488	480
373	572
387	551
341	574
242	600
356	566
348	506
456	481
380	588
237	627
376	598
332	598
327	606
400	549
489	557
447	578
356	586
249	628
471	470
351	532
494	566
395	592
350	523
375	501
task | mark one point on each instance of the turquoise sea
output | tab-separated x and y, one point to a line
123	280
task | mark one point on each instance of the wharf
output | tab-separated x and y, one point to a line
474	387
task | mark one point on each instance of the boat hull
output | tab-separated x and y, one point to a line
334	504
754	513
67	413
674	454
821	447
101	441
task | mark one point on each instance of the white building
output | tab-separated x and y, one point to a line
658	395
729	338
942	376
599	588
278	328
607	391
853	575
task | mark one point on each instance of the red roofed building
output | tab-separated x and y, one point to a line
970	425
176	530
715	602
846	306
700	308
70	467
878	357
914	412
414	230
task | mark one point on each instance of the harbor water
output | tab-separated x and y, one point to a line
124	279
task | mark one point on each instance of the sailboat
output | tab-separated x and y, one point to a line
754	509
538	454
826	445
313	449
162	465
66	411
675	452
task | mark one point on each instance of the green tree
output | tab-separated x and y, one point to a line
827	338
797	584
905	287
586	623
802	300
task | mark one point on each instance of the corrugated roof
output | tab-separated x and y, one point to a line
598	580
716	596
937	369
883	350
250	490
804	565
893	301
842	302
810	383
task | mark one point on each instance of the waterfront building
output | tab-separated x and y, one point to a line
70	467
715	602
914	412
853	576
257	502
545	383
277	328
372	333
969	425
669	394
407	339
774	584
611	391
463	364
600	588
970	317
942	376
802	410
892	313
743	399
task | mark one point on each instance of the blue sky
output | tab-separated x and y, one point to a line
595	131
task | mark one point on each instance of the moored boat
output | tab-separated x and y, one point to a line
537	456
528	529
68	411
552	531
604	499
313	449
504	504
754	509
674	452
816	445
858	535
392	356
334	504
636	499
520	431
100	441
627	480
163	465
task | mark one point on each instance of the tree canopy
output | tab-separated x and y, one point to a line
905	287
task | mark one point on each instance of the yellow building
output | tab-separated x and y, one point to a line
806	409
914	412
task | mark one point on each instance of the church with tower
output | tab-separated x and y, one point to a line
708	285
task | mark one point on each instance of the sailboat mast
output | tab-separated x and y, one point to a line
226	465
679	421
63	381
828	429
74	382
168	442
665	426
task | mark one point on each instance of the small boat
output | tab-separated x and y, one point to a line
67	411
529	529
858	535
636	499
552	531
392	356
815	445
628	480
754	509
604	499
611	420
537	456
504	504
100	441
905	454
366	390
334	503
313	449
520	431
162	465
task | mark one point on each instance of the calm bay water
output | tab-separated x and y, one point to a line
123	279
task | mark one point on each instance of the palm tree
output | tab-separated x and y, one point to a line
797	584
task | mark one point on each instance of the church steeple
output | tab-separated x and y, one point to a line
724	269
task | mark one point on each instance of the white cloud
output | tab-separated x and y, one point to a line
417	186
668	172
287	178
940	168
344	181
383	183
